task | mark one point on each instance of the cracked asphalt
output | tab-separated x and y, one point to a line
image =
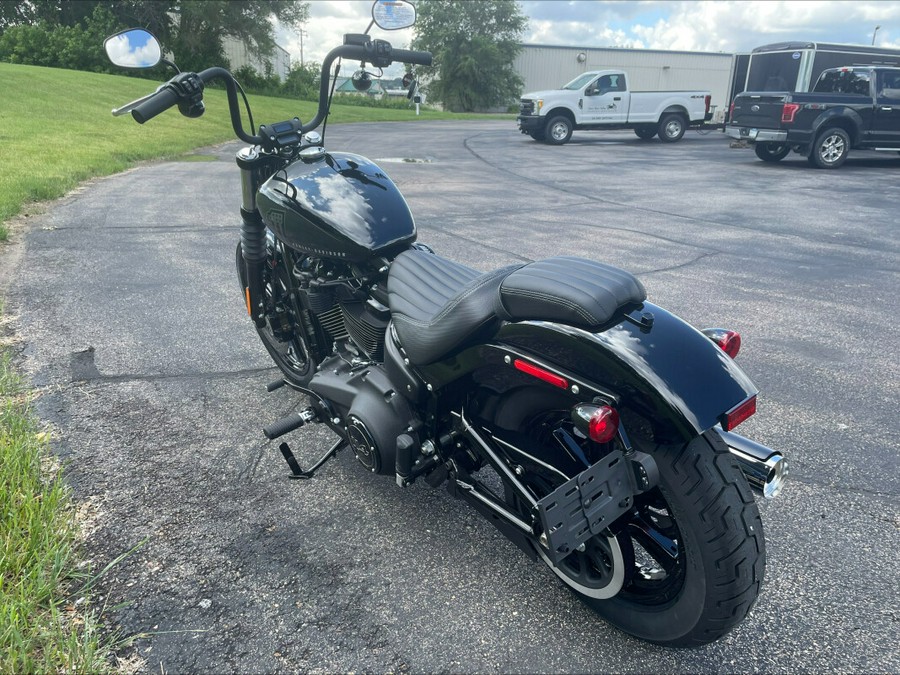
133	332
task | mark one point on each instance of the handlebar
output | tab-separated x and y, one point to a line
371	52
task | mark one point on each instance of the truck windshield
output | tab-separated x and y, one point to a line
843	81
580	81
774	71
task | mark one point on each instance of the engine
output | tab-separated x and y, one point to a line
374	414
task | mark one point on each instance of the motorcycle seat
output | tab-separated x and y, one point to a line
439	306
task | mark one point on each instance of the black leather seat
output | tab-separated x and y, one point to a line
439	306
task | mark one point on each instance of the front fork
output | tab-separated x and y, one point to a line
255	169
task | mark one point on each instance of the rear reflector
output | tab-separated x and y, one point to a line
541	374
739	413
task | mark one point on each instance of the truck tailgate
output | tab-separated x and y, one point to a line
758	110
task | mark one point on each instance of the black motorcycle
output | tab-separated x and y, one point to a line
591	427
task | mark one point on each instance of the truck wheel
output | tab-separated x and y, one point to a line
559	130
645	132
671	128
830	149
537	135
772	152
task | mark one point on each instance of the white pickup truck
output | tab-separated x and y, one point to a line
600	99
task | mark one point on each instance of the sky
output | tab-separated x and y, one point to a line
717	25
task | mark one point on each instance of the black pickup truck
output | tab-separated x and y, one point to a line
854	107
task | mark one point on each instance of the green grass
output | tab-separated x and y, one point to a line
57	129
41	627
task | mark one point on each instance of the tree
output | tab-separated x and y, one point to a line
192	30
474	44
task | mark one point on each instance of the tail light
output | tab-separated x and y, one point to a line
541	373
788	112
739	413
731	112
708	99
729	341
599	422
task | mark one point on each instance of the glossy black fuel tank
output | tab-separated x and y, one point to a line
338	205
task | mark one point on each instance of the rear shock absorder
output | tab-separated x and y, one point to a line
255	168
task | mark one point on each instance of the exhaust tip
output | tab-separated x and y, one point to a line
776	476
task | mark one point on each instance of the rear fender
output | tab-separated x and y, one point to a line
663	369
846	118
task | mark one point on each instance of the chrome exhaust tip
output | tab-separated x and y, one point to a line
765	469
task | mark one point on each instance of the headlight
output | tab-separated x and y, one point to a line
538	104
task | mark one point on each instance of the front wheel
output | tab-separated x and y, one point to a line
282	335
686	564
558	130
772	152
830	149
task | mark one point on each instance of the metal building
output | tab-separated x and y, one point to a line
551	66
279	61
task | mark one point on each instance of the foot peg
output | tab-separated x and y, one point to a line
289	423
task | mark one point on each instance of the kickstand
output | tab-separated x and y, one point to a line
296	471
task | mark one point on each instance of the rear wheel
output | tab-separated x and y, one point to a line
671	127
772	152
685	565
830	149
282	335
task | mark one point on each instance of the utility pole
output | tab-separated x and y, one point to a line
875	33
302	33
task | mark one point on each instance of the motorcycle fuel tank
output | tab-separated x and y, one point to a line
336	205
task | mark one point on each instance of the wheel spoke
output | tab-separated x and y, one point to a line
660	546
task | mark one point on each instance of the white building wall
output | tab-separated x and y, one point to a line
550	67
238	55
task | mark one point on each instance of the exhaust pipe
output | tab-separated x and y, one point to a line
765	469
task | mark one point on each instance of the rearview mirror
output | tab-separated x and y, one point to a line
393	14
134	48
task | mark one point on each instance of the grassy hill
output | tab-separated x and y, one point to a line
57	129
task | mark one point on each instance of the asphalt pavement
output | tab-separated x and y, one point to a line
134	334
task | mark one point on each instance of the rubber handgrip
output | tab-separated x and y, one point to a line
410	56
160	102
283	426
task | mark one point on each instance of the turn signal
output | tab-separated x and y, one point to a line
729	341
601	423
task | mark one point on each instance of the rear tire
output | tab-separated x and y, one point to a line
772	152
645	133
671	127
691	551
830	149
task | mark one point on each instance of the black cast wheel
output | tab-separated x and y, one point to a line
772	152
830	149
671	127
685	565
645	132
281	336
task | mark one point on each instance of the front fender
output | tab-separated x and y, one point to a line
668	372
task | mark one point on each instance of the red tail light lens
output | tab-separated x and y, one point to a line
600	423
708	99
731	112
788	112
729	341
739	413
